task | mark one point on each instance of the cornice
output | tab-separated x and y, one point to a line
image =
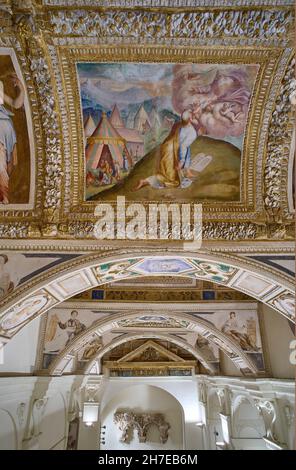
59	245
167	3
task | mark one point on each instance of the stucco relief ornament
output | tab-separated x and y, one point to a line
206	25
16	230
202	392
20	411
229	231
292	96
129	421
31	34
118	23
278	146
37	412
41	74
92	391
268	412
23	4
249	23
211	231
81	229
222	400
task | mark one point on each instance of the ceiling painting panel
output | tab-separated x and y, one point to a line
151	106
103	101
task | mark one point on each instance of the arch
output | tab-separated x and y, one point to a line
215	432
160	387
9	433
246	420
159	336
140	397
42	293
204	328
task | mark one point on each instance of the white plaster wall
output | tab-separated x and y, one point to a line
183	389
214	425
19	354
278	336
247	427
17	396
53	425
88	438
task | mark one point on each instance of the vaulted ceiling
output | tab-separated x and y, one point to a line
93	90
60	49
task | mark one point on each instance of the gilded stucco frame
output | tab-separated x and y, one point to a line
251	177
50	36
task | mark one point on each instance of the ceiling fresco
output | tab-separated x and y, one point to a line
16	139
147	106
53	292
80	335
189	105
17	268
90	113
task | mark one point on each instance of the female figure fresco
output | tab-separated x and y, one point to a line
8	151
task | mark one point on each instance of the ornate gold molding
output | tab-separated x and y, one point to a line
45	34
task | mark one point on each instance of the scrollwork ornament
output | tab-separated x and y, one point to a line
53	167
269	25
92	391
14	230
35	419
278	146
268	412
211	230
33	41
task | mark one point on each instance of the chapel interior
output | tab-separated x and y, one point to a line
117	334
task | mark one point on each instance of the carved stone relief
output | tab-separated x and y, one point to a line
129	421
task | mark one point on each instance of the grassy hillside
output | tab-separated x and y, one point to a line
218	182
